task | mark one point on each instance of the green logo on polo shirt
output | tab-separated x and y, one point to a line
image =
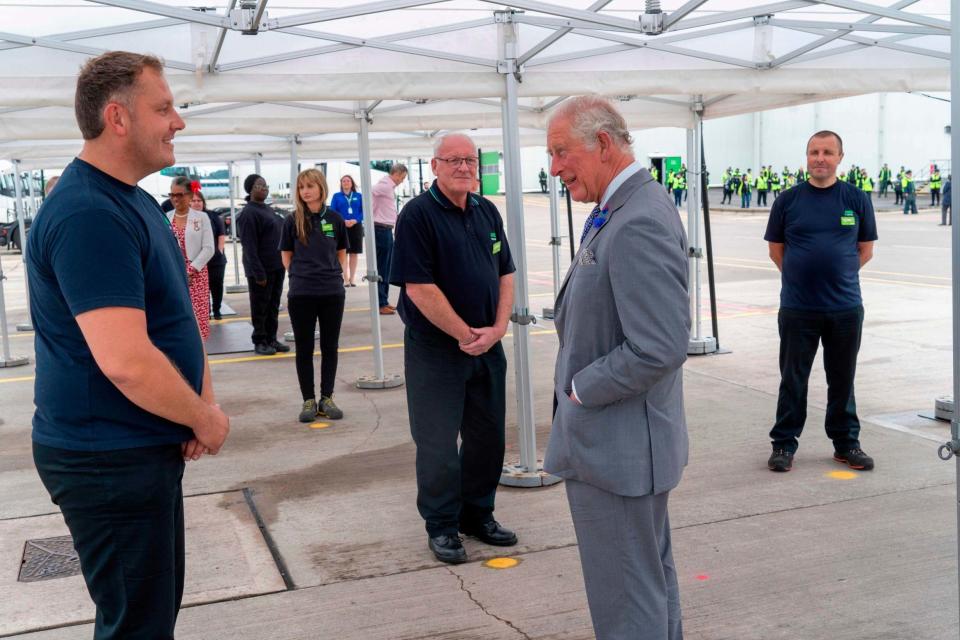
327	228
496	246
848	219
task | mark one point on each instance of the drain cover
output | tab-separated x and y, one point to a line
49	559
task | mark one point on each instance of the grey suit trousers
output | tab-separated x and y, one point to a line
627	560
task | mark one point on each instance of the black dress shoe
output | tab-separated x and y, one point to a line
279	347
448	549
491	533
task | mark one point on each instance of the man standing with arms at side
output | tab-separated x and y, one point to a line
453	266
820	234
384	220
123	390
619	433
259	229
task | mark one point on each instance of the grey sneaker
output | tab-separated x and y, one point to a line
855	458
309	411
328	409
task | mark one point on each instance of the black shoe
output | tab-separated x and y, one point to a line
217	316
491	533
448	549
780	460
264	350
279	347
855	459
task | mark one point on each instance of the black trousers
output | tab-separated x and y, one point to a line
898	196
265	306
761	198
801	332
450	393
216	272
934	197
124	510
305	313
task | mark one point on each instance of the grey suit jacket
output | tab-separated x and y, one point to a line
623	320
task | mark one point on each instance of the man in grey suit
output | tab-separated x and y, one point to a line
619	435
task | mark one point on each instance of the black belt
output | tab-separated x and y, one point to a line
380	225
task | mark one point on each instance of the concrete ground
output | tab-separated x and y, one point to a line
813	554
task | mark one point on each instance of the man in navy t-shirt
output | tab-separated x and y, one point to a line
123	391
820	233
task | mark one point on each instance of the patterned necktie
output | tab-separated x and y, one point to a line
589	223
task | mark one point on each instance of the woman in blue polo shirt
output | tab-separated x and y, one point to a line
313	246
349	204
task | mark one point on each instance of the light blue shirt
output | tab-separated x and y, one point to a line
618	181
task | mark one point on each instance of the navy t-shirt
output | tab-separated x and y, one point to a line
820	229
98	242
314	269
463	252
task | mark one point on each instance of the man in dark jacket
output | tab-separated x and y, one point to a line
946	211
259	231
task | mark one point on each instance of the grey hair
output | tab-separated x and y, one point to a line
438	143
589	115
398	169
181	181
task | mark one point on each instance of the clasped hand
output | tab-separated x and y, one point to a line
480	340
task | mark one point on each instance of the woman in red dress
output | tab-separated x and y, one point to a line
195	236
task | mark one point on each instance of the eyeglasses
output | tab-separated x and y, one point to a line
470	161
176	195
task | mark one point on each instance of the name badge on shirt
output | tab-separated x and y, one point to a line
327	228
848	219
496	247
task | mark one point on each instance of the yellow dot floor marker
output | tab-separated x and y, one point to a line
842	475
319	425
501	563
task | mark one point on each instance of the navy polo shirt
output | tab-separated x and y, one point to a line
820	229
314	269
98	242
463	252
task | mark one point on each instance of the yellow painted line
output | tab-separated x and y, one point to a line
20	379
285	356
862	279
501	563
319	425
877	271
842	475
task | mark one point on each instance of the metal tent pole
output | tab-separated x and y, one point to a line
257	157
555	240
379	379
699	344
952	448
529	472
22	240
236	287
294	168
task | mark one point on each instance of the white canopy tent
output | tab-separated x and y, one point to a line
258	76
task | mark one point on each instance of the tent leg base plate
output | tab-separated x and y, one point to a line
388	381
943	408
24	326
236	288
515	475
13	362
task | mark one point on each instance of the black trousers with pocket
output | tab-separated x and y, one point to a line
451	394
124	510
217	272
265	306
801	333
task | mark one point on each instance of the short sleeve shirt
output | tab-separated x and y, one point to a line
98	242
463	252
314	269
820	229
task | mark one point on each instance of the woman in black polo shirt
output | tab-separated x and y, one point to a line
313	246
